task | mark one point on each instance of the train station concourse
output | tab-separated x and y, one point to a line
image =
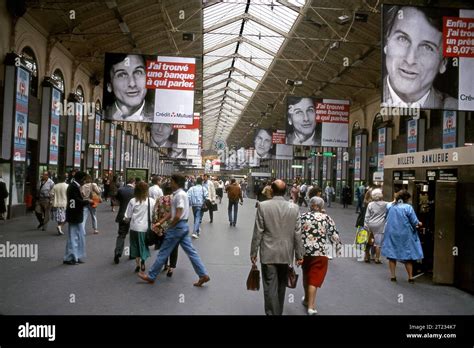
180	162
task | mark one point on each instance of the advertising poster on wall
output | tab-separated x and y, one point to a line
446	48
357	157
449	129
96	140
162	92
382	136
21	115
54	127
412	136
78	136
112	147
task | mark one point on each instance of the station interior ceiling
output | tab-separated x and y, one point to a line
250	55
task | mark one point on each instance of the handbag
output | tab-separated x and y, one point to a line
362	236
214	206
292	278
253	280
151	237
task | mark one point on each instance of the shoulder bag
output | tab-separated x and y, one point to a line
151	237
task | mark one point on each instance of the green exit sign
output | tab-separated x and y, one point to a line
327	154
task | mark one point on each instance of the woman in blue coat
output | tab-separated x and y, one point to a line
401	241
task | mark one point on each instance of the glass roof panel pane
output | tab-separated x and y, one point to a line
247	91
217	67
281	17
213	80
222	34
248	50
221	12
245	80
268	38
249	68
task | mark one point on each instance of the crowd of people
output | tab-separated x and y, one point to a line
282	234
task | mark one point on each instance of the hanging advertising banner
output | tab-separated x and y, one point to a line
339	164
317	122
381	148
263	143
97	141
54	126
112	147
163	91
357	157
78	136
21	114
188	135
446	83
412	136
449	129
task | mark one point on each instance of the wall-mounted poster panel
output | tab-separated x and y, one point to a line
21	115
427	57
144	88
54	126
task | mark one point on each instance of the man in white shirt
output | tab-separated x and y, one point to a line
155	190
177	233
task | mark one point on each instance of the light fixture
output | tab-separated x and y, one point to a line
124	27
335	45
343	19
294	82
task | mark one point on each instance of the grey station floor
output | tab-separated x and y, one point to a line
47	287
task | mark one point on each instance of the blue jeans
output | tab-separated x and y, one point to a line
174	236
76	243
197	212
229	211
89	210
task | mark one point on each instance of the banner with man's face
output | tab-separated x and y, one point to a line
427	58
153	89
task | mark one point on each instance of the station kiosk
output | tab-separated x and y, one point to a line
441	183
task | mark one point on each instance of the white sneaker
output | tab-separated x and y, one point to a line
312	311
195	236
60	231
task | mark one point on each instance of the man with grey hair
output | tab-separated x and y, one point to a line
375	220
277	234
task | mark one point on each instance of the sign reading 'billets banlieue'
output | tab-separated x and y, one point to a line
435	158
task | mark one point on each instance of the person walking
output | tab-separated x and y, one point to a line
277	236
294	192
177	233
155	190
317	228
243	187
43	200
302	198
76	241
211	200
346	196
360	192
59	198
375	220
138	214
161	221
234	194
360	223
401	241
220	190
329	191
123	196
3	196
197	196
91	191
113	189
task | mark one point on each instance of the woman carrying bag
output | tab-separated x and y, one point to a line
161	219
138	210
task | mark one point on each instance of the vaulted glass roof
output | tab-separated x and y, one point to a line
241	39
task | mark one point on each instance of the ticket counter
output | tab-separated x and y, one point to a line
441	183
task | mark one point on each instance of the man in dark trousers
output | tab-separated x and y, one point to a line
76	241
277	235
3	196
124	195
234	193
